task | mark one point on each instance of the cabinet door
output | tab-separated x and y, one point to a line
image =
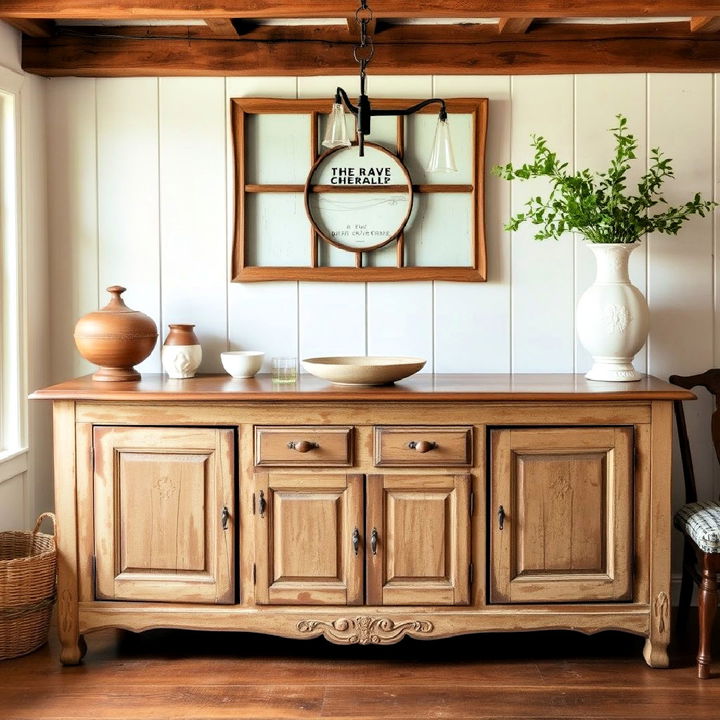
422	551
304	541
161	530
564	531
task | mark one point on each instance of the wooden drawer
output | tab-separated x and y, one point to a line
423	446
304	445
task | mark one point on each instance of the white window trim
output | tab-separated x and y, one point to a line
13	328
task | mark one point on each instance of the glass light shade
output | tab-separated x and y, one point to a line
442	158
336	134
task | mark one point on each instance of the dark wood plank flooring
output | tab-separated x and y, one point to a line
202	675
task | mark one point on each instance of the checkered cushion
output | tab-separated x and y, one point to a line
700	521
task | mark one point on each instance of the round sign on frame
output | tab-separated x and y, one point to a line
358	203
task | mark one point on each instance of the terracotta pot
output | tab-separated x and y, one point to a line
116	338
181	352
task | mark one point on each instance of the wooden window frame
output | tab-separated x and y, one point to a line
242	272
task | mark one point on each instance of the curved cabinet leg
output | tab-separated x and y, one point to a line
72	651
72	643
655	651
656	654
707	605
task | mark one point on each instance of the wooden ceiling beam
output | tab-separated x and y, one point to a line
328	51
392	34
222	26
33	28
354	30
705	24
510	25
258	9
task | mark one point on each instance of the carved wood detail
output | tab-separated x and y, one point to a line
365	629
661	610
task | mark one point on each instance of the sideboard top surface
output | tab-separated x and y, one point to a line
422	387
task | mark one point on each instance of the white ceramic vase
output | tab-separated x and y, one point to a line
612	318
181	352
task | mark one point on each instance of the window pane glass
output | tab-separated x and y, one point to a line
277	229
277	149
438	232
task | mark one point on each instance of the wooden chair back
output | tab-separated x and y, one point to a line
710	380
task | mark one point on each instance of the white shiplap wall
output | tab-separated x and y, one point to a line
140	178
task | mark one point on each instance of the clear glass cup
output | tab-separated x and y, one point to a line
284	369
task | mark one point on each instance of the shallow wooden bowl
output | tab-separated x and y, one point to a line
363	370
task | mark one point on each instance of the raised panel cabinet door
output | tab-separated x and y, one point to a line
308	539
164	514
560	515
418	540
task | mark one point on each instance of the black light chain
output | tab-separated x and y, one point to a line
363	53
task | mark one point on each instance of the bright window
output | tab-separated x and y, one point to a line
12	376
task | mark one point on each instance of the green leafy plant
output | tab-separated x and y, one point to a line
598	204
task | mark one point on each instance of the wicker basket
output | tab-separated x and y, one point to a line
27	589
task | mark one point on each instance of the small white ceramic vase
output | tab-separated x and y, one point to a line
612	317
181	352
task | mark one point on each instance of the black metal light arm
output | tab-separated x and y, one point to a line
364	112
342	97
414	108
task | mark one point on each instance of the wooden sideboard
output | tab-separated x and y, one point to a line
441	505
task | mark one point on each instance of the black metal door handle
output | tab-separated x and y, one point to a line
501	517
224	517
356	540
374	541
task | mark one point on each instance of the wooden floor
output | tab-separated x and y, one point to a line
183	674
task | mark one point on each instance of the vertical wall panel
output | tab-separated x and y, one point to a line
472	320
598	100
192	211
331	315
680	278
72	217
261	316
399	320
128	201
400	315
543	333
331	319
13	505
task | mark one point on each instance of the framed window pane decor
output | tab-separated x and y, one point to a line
303	213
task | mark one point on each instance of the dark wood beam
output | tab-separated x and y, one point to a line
353	28
510	25
399	50
33	28
705	24
222	26
202	9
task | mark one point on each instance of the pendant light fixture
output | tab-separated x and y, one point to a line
442	158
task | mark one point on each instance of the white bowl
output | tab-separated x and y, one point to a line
363	370
242	363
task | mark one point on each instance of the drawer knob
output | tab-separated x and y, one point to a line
423	446
303	446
